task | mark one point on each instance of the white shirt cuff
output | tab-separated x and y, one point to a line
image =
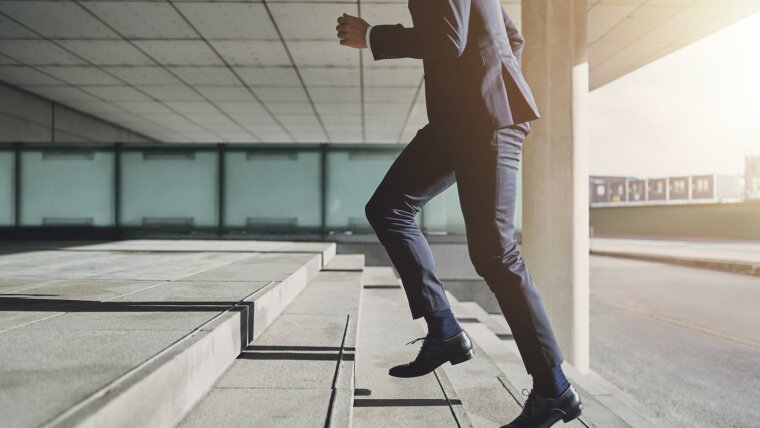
367	37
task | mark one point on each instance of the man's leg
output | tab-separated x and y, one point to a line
486	174
420	172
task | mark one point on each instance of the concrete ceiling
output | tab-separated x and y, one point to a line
271	71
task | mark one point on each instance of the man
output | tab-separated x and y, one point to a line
479	109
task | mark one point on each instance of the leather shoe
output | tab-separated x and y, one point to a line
435	352
540	412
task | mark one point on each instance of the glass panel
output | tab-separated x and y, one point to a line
67	188
443	213
6	188
352	177
170	188
272	190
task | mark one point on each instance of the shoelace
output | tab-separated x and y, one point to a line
531	399
416	340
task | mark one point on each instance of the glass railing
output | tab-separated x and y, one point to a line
257	188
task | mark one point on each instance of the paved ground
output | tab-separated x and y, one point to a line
684	341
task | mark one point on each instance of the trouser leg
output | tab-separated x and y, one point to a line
420	172
486	174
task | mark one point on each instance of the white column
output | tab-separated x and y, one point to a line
555	168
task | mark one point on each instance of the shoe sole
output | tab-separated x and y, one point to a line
573	414
470	354
457	359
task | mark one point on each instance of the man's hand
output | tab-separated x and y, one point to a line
352	31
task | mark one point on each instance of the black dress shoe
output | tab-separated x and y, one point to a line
540	412
435	352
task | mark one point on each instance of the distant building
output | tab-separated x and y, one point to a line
752	177
679	188
715	187
607	189
616	190
657	189
637	190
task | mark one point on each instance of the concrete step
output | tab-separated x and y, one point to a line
300	371
82	343
604	405
381	400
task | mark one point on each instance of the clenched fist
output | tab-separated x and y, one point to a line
352	31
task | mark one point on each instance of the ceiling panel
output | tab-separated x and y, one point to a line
21	75
10	29
331	76
156	20
205	75
107	52
268	76
144	75
283	93
145	107
172	93
322	53
252	53
61	93
117	93
189	107
235	21
331	94
56	19
37	52
180	52
81	75
290	107
335	108
226	93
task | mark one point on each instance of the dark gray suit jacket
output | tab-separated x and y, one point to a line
470	51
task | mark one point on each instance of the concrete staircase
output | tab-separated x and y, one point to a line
136	333
244	333
300	371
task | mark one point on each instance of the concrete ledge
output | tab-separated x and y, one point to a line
746	268
160	390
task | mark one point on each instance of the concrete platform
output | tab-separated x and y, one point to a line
732	256
134	333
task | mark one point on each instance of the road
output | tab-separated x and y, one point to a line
683	341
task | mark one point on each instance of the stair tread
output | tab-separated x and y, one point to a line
418	402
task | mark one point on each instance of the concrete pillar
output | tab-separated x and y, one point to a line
555	168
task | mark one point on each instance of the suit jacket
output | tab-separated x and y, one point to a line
470	51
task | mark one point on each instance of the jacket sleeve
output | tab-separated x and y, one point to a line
441	34
516	40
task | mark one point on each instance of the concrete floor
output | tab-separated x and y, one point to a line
684	341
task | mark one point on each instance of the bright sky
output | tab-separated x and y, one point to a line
695	111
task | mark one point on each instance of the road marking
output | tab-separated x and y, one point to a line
679	323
